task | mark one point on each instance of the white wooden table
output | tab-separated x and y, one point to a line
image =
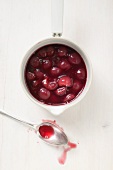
90	25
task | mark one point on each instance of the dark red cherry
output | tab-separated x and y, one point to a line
42	52
77	85
60	91
55	60
45	82
62	51
81	74
39	74
30	76
64	64
55	71
69	97
50	51
35	83
65	81
50	84
44	93
46	64
74	58
34	62
34	90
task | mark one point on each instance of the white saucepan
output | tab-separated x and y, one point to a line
57	24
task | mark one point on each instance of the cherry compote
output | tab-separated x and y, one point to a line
55	74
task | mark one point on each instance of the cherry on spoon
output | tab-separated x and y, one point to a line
47	131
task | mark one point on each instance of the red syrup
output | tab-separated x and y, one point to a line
63	157
70	145
46	131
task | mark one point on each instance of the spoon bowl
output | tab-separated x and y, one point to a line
58	137
54	135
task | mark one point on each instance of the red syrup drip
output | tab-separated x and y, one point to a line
63	157
46	131
50	132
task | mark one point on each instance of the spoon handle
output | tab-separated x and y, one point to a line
18	120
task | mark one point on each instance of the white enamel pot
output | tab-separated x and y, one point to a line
57	20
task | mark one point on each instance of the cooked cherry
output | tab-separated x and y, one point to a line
34	62
35	83
55	60
77	85
45	82
81	73
55	71
42	52
64	64
50	51
65	81
44	93
69	97
62	51
30	76
74	58
39	74
46	64
50	84
60	91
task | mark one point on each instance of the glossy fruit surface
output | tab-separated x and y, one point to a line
55	74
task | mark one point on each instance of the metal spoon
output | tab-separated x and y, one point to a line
57	139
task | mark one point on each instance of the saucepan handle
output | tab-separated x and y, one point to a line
57	17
